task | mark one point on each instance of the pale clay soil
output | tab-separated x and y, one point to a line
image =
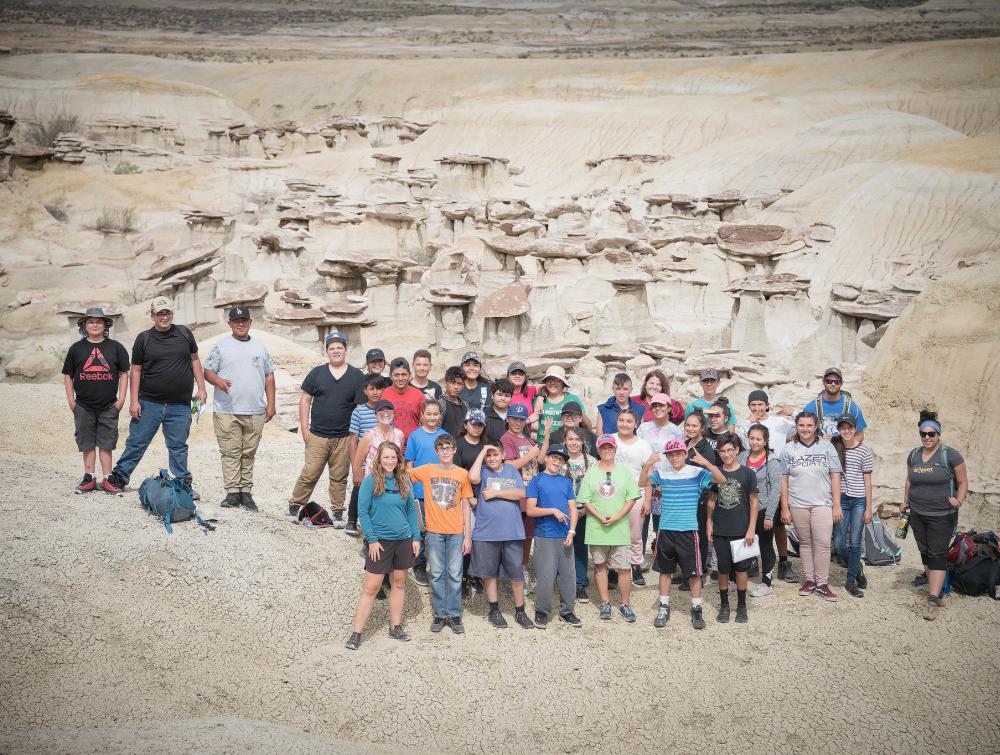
119	638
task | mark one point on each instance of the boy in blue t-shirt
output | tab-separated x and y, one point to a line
419	451
362	420
680	485
552	503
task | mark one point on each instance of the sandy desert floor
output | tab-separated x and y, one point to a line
119	638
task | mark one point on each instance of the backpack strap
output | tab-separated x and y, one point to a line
819	410
943	451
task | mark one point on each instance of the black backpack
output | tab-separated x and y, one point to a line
980	574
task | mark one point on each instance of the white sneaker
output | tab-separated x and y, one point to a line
761	591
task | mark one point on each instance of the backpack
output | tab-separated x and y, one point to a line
877	546
940	458
963	548
848	400
977	576
170	499
313	515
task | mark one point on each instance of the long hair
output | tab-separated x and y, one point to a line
723	403
664	384
767	439
804	415
399	473
838	443
698	414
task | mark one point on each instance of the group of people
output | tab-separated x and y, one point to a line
470	482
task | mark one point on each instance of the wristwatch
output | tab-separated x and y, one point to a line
572	532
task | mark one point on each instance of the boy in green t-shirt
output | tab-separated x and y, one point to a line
608	492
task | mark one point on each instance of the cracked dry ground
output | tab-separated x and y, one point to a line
119	638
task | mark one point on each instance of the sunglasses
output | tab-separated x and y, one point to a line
928	433
833	381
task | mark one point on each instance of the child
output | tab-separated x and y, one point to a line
383	431
95	375
607	413
496	414
608	492
855	501
522	393
421	370
632	453
419	451
551	399
732	516
678	542
498	534
476	386
552	502
362	420
406	399
768	470
572	417
522	454
453	408
447	498
374	364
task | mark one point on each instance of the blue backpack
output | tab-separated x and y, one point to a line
170	499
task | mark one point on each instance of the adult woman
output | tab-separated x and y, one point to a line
937	483
810	498
655	382
388	517
476	391
551	399
768	470
472	439
576	467
718	420
523	393
633	452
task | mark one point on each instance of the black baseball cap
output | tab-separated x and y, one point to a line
471	356
846	419
559	450
374	355
383	404
572	407
335	336
239	313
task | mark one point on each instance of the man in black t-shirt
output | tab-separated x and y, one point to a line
165	368
325	406
95	375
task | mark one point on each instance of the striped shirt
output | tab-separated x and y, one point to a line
858	460
679	492
362	420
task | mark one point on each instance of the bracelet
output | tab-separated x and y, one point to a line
572	532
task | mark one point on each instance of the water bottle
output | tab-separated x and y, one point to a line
946	587
903	527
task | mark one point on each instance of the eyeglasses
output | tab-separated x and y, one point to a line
163	314
446	448
928	433
833	381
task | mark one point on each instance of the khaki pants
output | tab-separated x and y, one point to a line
238	436
333	453
815	528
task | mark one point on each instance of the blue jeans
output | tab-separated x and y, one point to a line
580	552
444	559
853	526
176	422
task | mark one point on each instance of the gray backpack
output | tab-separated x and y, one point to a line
170	500
877	546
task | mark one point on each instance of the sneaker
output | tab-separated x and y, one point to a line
862	580
662	616
380	595
808	588
741	615
852	588
920	580
683	585
627	613
195	496
714	575
87	485
754	570
397	633
465	589
723	616
232	501
696	618
541	619
438	624
354	641
455	622
606	611
293	510
352	529
476	584
113	485
528	588
571	619
338	524
637	578
826	593
420	576
762	591
786	573
581	595
496	619
931	607
522	619
248	502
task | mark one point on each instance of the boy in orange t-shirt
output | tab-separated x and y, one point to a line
448	515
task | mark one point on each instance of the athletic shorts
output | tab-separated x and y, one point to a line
675	549
95	429
492	559
616	556
724	555
397	555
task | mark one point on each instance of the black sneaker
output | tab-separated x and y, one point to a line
496	619
293	510
571	619
637	578
581	595
852	587
420	576
455	622
786	573
920	580
741	615
232	501
723	617
248	502
522	619
113	485
541	619
696	619
397	633
476	584
352	529
353	642
338	521
862	580
684	585
438	624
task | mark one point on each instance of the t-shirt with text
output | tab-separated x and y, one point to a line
553	410
95	369
444	491
498	519
731	517
808	469
607	492
931	483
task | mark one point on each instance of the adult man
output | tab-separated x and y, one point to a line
95	375
165	368
325	407
833	403
709	380
240	368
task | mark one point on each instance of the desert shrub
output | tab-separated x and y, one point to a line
56	207
43	130
125	168
117	220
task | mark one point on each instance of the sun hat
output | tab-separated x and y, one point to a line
95	312
557	372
